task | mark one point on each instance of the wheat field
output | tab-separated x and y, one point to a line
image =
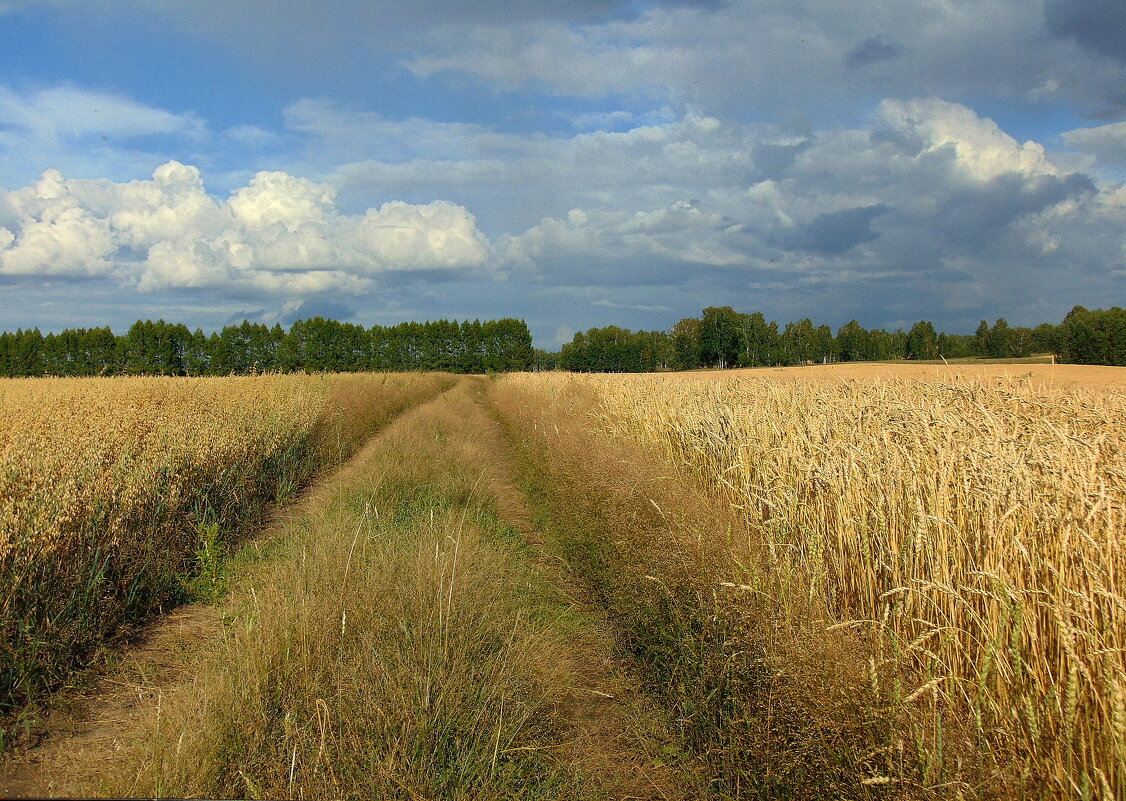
886	582
966	528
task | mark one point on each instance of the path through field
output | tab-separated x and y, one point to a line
596	734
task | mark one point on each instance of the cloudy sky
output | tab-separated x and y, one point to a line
571	162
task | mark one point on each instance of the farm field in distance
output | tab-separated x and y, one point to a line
1037	373
839	581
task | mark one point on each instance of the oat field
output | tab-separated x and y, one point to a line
112	489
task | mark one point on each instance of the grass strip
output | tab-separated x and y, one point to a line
397	644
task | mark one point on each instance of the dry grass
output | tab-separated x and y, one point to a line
398	644
107	485
967	533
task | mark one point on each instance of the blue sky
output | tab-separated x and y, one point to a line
572	163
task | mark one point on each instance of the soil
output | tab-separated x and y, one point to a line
84	729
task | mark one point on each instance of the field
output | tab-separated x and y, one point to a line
113	488
877	581
1037	374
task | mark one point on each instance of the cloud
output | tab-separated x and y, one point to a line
321	307
57	236
794	53
925	207
355	133
833	233
980	148
928	194
87	132
73	113
618	247
279	234
931	209
1099	25
252	136
806	54
873	50
1107	143
609	304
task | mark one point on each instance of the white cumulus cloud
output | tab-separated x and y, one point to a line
55	234
982	149
278	234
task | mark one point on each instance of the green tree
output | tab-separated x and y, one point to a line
802	342
981	339
685	337
852	340
761	344
922	341
720	340
1046	339
997	346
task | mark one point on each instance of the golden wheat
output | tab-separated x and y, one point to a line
971	531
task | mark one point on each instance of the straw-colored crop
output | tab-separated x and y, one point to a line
971	532
107	484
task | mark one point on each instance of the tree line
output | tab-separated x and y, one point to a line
722	337
314	345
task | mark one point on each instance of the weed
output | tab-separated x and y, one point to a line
208	580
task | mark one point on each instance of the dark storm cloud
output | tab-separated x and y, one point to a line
774	160
872	50
976	217
1098	25
835	232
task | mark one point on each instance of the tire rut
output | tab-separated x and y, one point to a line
618	732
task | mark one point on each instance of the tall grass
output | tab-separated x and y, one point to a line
107	487
397	644
761	701
967	536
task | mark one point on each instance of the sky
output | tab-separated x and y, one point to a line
574	163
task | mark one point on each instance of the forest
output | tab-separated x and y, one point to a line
719	338
722	337
314	345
